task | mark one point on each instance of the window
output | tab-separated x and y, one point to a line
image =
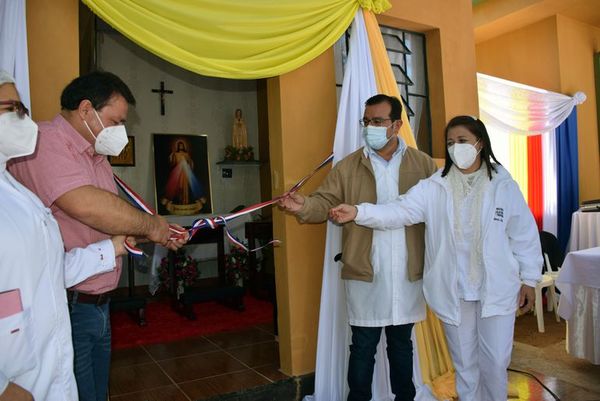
406	51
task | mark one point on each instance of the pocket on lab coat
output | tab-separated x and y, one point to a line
16	344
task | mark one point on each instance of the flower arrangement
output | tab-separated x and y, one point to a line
186	271
236	266
239	154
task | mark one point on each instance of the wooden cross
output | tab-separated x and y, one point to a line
162	92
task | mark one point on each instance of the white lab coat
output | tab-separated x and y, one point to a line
391	299
36	351
511	246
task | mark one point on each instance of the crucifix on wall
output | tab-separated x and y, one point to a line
161	93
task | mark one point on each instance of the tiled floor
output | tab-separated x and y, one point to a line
196	368
203	367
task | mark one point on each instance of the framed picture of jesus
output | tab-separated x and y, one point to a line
181	174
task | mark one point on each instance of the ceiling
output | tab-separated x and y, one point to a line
492	18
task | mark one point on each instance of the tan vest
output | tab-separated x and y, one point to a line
352	181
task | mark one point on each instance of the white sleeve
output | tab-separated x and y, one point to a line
524	239
83	263
406	210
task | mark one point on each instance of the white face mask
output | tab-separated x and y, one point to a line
111	140
18	136
376	137
463	154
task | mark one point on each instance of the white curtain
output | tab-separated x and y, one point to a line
508	107
550	218
334	331
521	109
13	45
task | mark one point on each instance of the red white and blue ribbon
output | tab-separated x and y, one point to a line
214	222
140	204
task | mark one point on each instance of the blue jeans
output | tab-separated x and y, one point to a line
362	361
90	325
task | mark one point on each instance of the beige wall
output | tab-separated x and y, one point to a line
53	47
511	56
554	54
302	116
451	69
577	43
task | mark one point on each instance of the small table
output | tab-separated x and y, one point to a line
210	288
579	284
585	230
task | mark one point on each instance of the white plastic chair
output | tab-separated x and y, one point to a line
546	282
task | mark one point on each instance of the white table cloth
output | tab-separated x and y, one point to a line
585	230
579	284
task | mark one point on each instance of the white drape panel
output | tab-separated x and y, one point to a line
549	164
521	109
334	331
508	107
13	45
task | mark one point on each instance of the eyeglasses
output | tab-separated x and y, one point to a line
376	122
16	106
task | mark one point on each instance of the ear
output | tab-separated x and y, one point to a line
85	107
398	124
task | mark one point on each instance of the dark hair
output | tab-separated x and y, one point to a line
477	128
396	112
97	87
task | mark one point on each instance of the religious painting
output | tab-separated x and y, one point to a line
182	175
127	156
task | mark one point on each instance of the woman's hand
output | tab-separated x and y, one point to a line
526	298
343	213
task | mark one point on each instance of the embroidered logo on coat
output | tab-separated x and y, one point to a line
499	214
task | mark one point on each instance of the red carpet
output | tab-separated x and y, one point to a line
164	324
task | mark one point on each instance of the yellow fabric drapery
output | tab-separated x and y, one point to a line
237	39
436	365
384	76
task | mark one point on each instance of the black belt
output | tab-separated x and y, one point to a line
81	298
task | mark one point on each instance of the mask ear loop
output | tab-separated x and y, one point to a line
98	117
88	127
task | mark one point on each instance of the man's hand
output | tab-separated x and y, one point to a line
291	203
159	231
343	213
526	298
14	392
177	242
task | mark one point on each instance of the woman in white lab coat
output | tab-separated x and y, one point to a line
36	352
482	259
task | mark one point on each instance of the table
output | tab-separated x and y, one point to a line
585	230
579	284
205	253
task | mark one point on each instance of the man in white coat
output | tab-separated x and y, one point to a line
36	352
381	270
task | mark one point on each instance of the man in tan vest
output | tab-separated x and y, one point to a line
382	269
